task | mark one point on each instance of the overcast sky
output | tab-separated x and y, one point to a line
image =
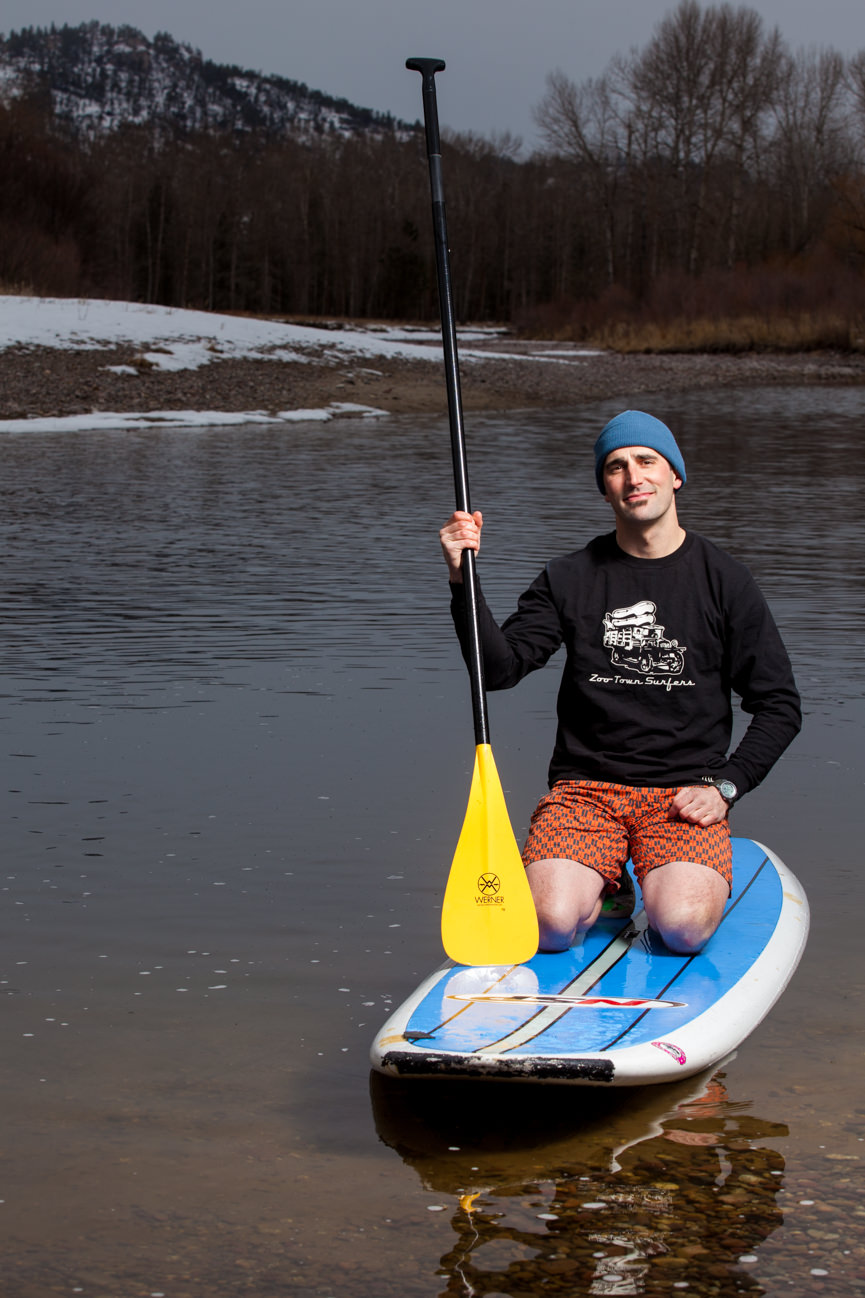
498	52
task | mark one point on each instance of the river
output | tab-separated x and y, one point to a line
237	747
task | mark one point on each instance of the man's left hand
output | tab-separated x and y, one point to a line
701	804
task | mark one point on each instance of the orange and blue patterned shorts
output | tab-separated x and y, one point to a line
601	825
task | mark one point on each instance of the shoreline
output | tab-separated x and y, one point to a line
57	382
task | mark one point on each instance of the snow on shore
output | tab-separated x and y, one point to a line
189	339
112	419
169	339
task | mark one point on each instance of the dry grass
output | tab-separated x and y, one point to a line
16	290
813	305
804	332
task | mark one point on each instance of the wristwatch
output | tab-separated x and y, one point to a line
726	788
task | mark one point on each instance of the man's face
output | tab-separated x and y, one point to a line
639	484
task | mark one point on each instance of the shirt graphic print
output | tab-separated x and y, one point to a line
637	642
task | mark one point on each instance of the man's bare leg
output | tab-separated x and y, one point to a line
568	898
684	904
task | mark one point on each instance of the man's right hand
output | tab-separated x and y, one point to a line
460	532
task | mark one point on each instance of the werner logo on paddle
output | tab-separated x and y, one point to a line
489	886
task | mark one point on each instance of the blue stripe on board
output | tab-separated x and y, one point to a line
771	899
653	971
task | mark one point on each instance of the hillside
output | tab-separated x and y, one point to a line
728	218
100	78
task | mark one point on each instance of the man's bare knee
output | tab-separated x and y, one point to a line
688	934
567	897
559	927
685	904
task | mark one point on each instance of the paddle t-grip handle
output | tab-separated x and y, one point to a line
428	68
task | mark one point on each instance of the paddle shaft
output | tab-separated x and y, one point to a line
428	68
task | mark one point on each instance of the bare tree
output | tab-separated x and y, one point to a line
856	80
847	219
668	138
702	86
813	143
749	63
584	124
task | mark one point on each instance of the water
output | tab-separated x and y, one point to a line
237	748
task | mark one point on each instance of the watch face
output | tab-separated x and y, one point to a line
726	788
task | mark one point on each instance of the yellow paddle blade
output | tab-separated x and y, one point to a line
488	915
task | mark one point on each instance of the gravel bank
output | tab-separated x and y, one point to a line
47	382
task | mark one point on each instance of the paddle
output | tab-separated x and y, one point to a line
488	916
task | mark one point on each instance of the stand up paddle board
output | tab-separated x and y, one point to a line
618	1008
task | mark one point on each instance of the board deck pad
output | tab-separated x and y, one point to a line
618	1008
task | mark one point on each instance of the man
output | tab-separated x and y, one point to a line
659	627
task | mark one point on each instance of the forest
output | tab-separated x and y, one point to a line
706	190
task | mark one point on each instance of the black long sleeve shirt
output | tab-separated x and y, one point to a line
655	649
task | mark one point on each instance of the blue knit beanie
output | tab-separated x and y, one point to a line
634	428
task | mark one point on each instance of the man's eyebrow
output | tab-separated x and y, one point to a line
620	459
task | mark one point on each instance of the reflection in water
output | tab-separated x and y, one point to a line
559	1190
